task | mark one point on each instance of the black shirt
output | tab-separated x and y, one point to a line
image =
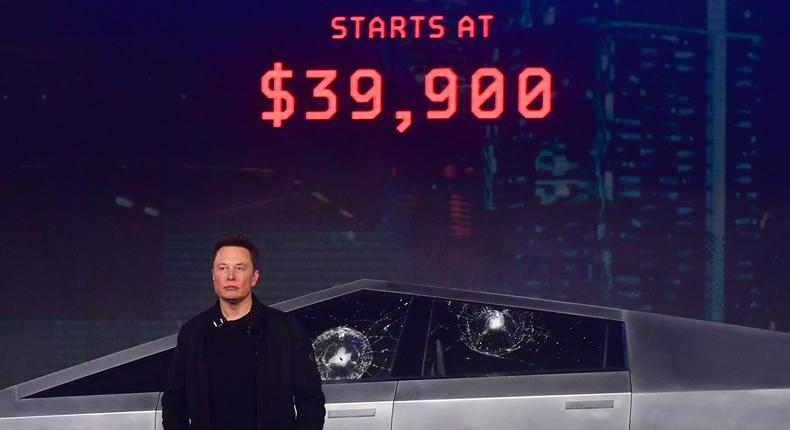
232	376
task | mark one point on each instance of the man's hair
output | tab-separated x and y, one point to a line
235	239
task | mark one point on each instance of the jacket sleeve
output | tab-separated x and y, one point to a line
175	414
308	397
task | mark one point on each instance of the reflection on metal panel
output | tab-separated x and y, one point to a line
116	421
569	384
676	354
538	412
111	404
358	392
516	402
720	410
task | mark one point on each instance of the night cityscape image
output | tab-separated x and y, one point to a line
439	191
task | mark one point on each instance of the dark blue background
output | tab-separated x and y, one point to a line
132	137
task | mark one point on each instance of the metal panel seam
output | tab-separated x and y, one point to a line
630	398
392	409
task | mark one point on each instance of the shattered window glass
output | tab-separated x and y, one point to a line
467	339
355	336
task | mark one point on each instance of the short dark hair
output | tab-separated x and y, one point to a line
236	239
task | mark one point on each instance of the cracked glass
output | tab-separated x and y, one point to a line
473	339
355	337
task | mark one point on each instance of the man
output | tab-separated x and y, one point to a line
241	365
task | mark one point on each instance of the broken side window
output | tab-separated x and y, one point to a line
355	336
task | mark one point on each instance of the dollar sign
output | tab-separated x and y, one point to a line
283	101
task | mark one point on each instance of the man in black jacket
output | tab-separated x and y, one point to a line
241	365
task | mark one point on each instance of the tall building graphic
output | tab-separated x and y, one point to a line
651	153
667	191
745	299
539	177
699	151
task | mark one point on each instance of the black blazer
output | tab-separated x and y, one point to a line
286	374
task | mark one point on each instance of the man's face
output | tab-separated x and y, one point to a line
233	274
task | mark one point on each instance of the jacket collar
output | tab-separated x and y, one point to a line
217	318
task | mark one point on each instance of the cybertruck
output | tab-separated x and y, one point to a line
405	357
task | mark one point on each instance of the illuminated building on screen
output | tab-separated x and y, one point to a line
744	209
748	292
539	177
668	184
652	163
680	154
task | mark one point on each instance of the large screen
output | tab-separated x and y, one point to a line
624	153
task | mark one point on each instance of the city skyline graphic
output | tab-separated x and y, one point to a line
656	182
